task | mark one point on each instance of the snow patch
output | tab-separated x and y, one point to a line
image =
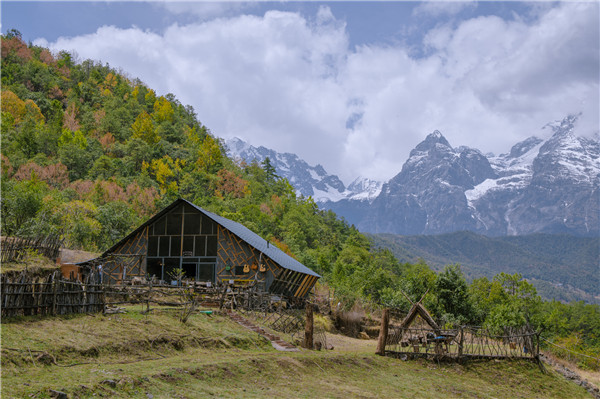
480	190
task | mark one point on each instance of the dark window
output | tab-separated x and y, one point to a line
188	246
192	224
211	246
190	270
207	226
206	272
163	246
173	224
176	246
170	265
154	268
172	262
200	246
152	246
160	226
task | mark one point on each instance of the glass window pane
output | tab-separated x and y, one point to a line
188	246
207	226
192	224
206	273
159	226
200	249
173	224
152	246
175	246
163	246
211	246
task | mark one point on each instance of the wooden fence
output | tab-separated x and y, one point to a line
27	295
14	248
461	343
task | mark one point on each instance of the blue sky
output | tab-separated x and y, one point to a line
353	86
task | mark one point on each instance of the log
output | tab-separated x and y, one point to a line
383	332
308	328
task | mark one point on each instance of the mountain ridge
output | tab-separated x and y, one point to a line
308	180
545	259
539	186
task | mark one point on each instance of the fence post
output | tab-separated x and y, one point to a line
308	329
54	294
383	332
460	344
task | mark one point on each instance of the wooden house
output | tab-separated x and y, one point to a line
207	247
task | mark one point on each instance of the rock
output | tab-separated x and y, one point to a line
363	335
58	394
110	383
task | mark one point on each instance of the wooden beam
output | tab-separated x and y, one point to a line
383	332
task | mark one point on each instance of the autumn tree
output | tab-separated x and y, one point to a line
143	129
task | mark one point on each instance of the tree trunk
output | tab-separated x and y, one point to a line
308	330
383	332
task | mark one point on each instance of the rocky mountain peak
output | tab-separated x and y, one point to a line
432	141
546	186
524	146
564	126
308	180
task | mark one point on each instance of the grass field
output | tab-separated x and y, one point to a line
156	356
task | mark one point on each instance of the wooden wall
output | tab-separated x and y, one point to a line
236	253
133	261
233	254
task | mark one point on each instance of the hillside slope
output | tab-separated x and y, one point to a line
561	266
155	356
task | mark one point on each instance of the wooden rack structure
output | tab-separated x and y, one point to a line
28	295
14	248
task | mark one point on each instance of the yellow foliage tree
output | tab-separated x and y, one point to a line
163	111
110	82
143	128
166	172
207	151
13	105
34	111
150	98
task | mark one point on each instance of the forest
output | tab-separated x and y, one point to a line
89	153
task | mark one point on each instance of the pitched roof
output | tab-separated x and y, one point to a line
418	309
251	238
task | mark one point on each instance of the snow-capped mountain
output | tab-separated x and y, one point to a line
549	186
540	186
546	186
363	189
308	180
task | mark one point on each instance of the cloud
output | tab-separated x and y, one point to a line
292	83
205	9
439	8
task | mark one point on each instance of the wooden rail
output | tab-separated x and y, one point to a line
462	342
27	295
14	248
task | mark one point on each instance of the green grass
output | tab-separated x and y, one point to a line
132	355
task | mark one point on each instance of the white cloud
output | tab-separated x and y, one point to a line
204	9
439	8
292	83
